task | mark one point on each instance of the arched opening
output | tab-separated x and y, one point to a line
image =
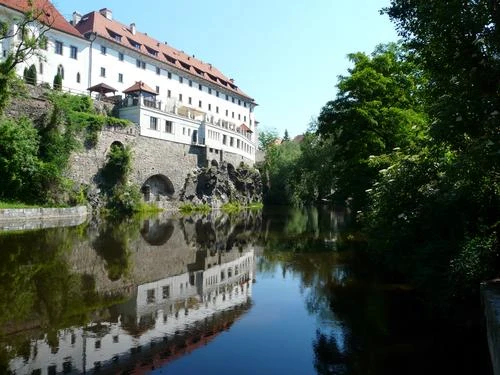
78	77
117	144
157	187
214	163
156	233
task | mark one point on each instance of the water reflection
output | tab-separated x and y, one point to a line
133	296
126	295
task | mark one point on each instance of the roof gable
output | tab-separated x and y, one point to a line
48	14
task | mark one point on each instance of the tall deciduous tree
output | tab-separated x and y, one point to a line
377	109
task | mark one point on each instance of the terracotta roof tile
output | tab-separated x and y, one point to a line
148	46
140	86
49	15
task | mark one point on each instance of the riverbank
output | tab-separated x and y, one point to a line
40	218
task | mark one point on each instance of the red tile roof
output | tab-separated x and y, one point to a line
140	86
49	15
148	46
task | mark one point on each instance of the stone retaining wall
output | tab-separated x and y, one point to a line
38	218
490	296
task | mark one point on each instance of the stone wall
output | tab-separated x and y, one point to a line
151	157
490	295
38	218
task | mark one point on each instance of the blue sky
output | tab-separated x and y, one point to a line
285	54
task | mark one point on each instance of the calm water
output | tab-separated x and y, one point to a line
255	293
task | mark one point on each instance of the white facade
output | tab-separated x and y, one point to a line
204	112
188	109
64	53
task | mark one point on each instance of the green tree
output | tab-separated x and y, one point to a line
286	137
376	110
57	84
19	164
26	34
267	138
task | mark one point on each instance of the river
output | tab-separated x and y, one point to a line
273	292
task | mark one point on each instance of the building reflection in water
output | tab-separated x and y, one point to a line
166	317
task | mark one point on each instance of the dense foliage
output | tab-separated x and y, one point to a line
411	141
34	158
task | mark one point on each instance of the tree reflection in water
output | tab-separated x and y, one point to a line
365	325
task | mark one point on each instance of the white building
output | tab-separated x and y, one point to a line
65	50
182	99
187	101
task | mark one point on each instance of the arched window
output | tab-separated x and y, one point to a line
78	77
60	71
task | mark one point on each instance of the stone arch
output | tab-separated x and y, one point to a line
117	144
157	186
214	163
230	168
156	233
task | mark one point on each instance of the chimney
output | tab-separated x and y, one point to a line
132	28
76	18
107	13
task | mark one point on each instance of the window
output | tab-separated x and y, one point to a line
157	89
180	79
245	104
209	107
120	56
103	72
190	83
209	90
239	116
73	52
227	97
183	131
189	132
169	75
227	112
232	99
217	93
232	114
224	141
60	71
199	103
150	296
78	78
166	291
153	123
168	129
40	67
239	102
169	94
59	47
143	65
103	50
217	109
158	70
200	87
120	77
231	143
190	101
180	97
245	118
138	63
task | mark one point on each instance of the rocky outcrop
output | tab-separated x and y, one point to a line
220	184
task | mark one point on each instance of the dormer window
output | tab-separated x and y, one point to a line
152	51
114	35
134	44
